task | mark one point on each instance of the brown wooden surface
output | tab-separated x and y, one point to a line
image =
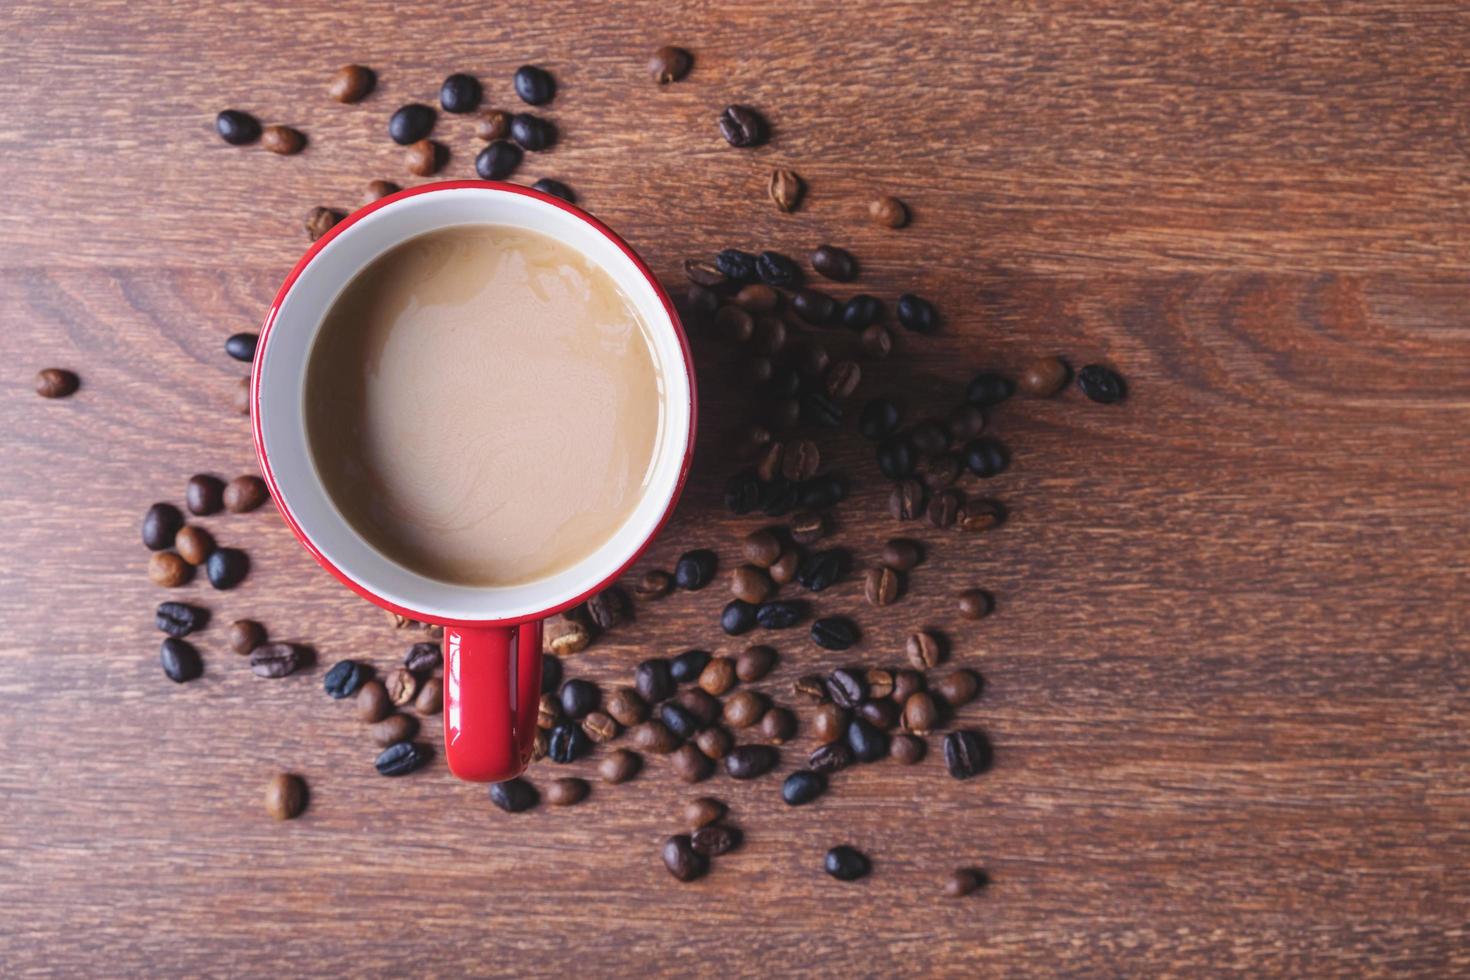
1227	677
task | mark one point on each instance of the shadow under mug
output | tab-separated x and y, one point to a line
492	635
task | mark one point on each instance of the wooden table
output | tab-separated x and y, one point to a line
1227	675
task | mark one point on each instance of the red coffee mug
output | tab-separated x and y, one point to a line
492	636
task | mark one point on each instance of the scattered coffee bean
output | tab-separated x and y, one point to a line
958	688
906	500
829	722
750	761
761	548
619	766
690	764
319	221
394	728
740	267
160	525
578	697
241	346
410	124
889	212
695	569
785	189
883	715
876	341
744	708
400	759
237	128
821	570
226	567
834	263
860	311
351	83
801	460
402	686
980	515
423	658
678	719
770	335
777	726
682	860
282	140
564	635
555	188
712	840
532	132
55	383
965	423
534	85
880	586
742	126
704	274
924	649
653	680
654	736
497	160
738	617
868	742
775	269
843	378
1045	376
245	493
944	509
808	527
514	795
815	307
847	687
754	663
905	683
567	791
986	457
194	544
285	796
917	314
344	679
548	711
938	472
180	660
905	749
845	863
372	701
964	881
608	608
703	706
966	753
654	584
718	676
751	584
669	64
803	786
460	93
274	660
783	572
686	666
168	570
920	713
820	410
492	125
567	743
832	757
424	157
178	618
987	389
702	812
245	635
1101	384
431	697
975	603
779	614
715	742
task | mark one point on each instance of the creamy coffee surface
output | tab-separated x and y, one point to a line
482	405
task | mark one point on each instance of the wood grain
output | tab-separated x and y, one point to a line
1227	676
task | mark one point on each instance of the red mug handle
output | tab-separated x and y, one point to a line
492	692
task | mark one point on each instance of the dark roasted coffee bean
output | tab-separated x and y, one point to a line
846	687
750	761
282	140
285	796
669	64
880	586
776	269
690	764
460	93
801	460
685	668
860	311
274	660
759	369
754	662
777	726
204	494
555	188
1101	384
924	649
410	124
920	713
810	359
654	680
878	420
975	603
351	83
829	723
944	509
823	491
770	335
929	436
783	572
901	554
808	527
868	743
986	457
814	306
678	719
964	881
823	569
845	863
514	795
608	608
917	314
779	614
785	382
988	388
906	500
906	749
958	688
236	128
550	673
757	297
966	753
832	757
704	706
226	567
778	497
578	697
653	736
422	658
682	860
938	472
842	379
372	702
534	85
744	708
965	422
394	728
180	660
532	132
876	341
400	759
168	570
160	525
704	274
882	713
568	742
905	683
654	584
738	617
1045	376
497	160
626	707
715	742
245	493
179	618
712	840
803	786
344	679
718	676
241	346
619	766
695	569
834	263
896	457
742	492
319	221
567	791
742	126
981	515
736	266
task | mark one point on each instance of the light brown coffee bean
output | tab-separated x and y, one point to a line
690	764
320	220
758	298
783	570
901	554
619	766
906	749
980	515
599	727
754	663
924	649
964	881
282	140
431	697
241	397
402	686
880	586
540	745
394	729
379	189
778	725
920	713
889	212
492	125
245	635
829	723
194	544
843	378
626	707
244	494
944	509
351	83
654	736
811	688
703	706
285	796
958	688
906	500
808	526
1044	377
373	703
168	570
750	583
565	636
548	711
715	742
654	584
566	791
801	460
422	159
702	812
785	189
975	603
744	708
55	383
718	675
761	548
879	681
608	608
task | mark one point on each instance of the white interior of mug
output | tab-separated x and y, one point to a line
281	377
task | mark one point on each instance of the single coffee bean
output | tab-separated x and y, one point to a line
702	812
653	680
626	707
669	64
705	274
244	494
237	128
964	881
980	515
879	419
551	671
815	307
410	123
896	457
944	509
180	660
712	840
917	314
777	726
965	422
460	93
241	346
431	697
754	662
715	742
372	702
779	614
906	500
168	570
532	132
703	706
843	378
879	681
619	766
742	126
958	688
880	586
654	736
548	711
986	457
1045	376
808	527
497	160
695	569
738	617
988	388
690	764
514	795
319	221
282	140
351	83
845	863
718	676
740	267
686	666
344	679
194	544
757	297
823	569
608	608
832	757
776	269
770	335
400	759
226	567
682	860
847	687
56	382
750	761
568	742
285	796
860	311
245	635
938	472
783	572
924	649
920	713
423	658
534	85
678	719
801	460
803	786
567	791
424	157
929	436
540	745
555	188
889	212
812	687
785	189
750	583
829	722
966	753
564	636
578	697
905	683
1101	384
975	603
906	749
761	548
179	618
394	728
492	124
876	341
868	742
834	263
160	525
654	584
744	708
274	660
